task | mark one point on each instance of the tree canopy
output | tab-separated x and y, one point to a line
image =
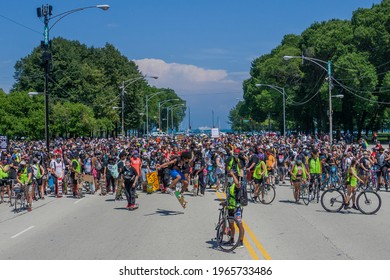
358	50
84	91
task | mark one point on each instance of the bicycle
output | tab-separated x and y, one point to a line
226	228
316	189
20	198
35	187
266	193
303	193
368	202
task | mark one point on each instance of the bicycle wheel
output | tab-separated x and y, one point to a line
228	234
269	194
251	190
305	194
37	195
369	202
332	200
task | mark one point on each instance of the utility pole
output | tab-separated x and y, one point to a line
46	11
123	108
330	103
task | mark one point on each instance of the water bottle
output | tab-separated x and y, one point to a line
237	214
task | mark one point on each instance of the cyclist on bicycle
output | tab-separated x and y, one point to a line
236	164
252	163
233	199
25	176
259	174
352	179
298	174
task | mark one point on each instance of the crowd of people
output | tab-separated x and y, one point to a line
122	164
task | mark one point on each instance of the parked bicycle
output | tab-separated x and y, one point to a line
368	202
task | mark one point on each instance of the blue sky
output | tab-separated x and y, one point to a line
202	49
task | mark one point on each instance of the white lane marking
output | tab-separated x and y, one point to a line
78	200
20	233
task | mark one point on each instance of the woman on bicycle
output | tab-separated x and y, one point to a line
259	174
298	174
352	179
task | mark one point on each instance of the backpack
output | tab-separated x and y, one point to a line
114	170
98	165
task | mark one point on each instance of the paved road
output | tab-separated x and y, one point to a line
97	227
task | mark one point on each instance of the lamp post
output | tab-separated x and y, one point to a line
123	86
159	110
282	91
46	12
172	108
147	98
328	69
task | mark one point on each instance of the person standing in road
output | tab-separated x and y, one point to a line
57	170
136	162
130	178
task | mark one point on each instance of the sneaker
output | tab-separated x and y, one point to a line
133	206
29	209
128	206
346	206
240	244
220	191
354	207
169	191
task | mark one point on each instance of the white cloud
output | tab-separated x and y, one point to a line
187	78
205	90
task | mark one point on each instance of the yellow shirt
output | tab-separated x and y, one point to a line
270	162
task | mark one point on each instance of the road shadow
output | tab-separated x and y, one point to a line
121	208
343	212
110	199
291	202
163	212
214	246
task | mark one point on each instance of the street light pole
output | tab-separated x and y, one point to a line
330	103
123	87
329	72
147	98
159	110
46	12
283	92
171	108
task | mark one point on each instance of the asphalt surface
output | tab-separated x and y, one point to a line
97	227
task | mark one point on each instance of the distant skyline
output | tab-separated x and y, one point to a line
201	49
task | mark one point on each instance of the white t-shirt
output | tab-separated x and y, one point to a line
58	167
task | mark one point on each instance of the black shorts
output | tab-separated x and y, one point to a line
258	181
